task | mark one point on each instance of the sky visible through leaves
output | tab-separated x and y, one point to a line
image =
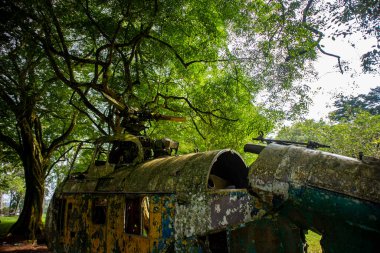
331	83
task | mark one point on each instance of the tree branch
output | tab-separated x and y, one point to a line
10	102
54	144
195	109
197	129
73	85
75	157
10	142
318	33
48	170
185	64
90	118
61	38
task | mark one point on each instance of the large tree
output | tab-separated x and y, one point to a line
147	57
35	119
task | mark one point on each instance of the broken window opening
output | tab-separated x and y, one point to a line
69	211
137	218
214	243
99	211
101	154
218	242
61	207
123	152
228	172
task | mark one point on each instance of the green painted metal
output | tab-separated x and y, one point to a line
333	195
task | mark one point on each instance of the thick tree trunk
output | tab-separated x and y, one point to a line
29	224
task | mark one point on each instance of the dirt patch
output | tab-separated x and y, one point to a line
24	247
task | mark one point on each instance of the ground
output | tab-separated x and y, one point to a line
16	246
23	247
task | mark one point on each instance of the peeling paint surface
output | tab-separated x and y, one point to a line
207	202
167	175
181	206
213	211
278	165
321	191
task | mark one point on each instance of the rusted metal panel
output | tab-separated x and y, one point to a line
84	231
74	185
180	174
179	208
232	207
323	192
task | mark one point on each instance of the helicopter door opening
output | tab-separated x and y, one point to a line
61	207
99	211
137	218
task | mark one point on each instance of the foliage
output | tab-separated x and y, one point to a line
11	179
346	138
350	106
220	134
148	56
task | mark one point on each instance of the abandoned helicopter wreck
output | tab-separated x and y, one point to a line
213	202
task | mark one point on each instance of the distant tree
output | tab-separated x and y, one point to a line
11	179
349	106
346	138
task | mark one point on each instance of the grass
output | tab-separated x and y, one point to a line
8	221
313	240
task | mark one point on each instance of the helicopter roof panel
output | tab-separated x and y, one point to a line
185	173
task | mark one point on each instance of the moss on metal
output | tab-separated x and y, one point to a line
278	165
291	189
